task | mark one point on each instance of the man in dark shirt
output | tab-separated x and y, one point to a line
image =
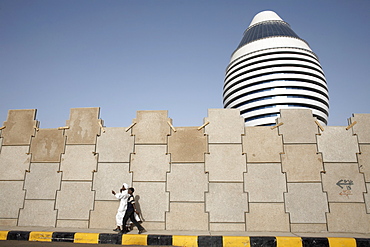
131	209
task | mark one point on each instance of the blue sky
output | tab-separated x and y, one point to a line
129	55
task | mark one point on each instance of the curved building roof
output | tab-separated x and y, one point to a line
266	24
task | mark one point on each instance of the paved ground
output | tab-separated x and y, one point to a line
86	237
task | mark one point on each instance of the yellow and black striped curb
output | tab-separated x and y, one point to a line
182	240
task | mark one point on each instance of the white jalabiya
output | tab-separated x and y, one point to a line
122	196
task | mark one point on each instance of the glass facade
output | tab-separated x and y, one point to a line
267	29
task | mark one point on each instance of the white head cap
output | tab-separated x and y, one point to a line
125	185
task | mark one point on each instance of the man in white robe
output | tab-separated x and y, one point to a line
122	196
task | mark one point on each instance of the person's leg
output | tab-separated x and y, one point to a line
137	224
125	218
119	218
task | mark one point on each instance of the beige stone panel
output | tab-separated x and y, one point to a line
115	145
150	163
230	194
270	217
14	161
343	182
74	201
38	213
11	198
78	162
364	161
84	125
186	217
187	182
73	224
110	176
362	127
227	227
151	127
150	226
20	126
306	203
225	126
187	144
337	144
104	214
308	228
262	144
298	126
367	198
265	183
47	145
8	222
152	200
225	162
302	163
348	217
42	181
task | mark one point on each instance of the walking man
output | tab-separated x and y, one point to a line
131	209
122	196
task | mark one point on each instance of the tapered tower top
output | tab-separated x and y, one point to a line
265	16
264	25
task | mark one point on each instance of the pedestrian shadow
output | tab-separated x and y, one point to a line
138	208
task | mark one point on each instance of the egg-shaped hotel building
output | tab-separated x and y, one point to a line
273	69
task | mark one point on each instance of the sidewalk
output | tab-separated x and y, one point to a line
185	238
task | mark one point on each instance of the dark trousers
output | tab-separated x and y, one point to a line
130	215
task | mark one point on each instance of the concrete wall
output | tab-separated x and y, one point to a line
223	176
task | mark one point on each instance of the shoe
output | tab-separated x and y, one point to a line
142	231
116	230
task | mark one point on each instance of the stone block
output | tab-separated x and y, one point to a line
262	144
306	203
265	183
104	214
11	198
187	182
8	222
153	225
362	127
231	194
298	126
227	227
151	127
337	144
14	161
343	182
115	145
84	125
187	144
364	161
308	228
73	224
148	194
110	176
78	162
302	163
150	163
20	126
42	181
47	145
367	198
225	126
74	201
186	217
267	217
38	213
348	217
225	162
